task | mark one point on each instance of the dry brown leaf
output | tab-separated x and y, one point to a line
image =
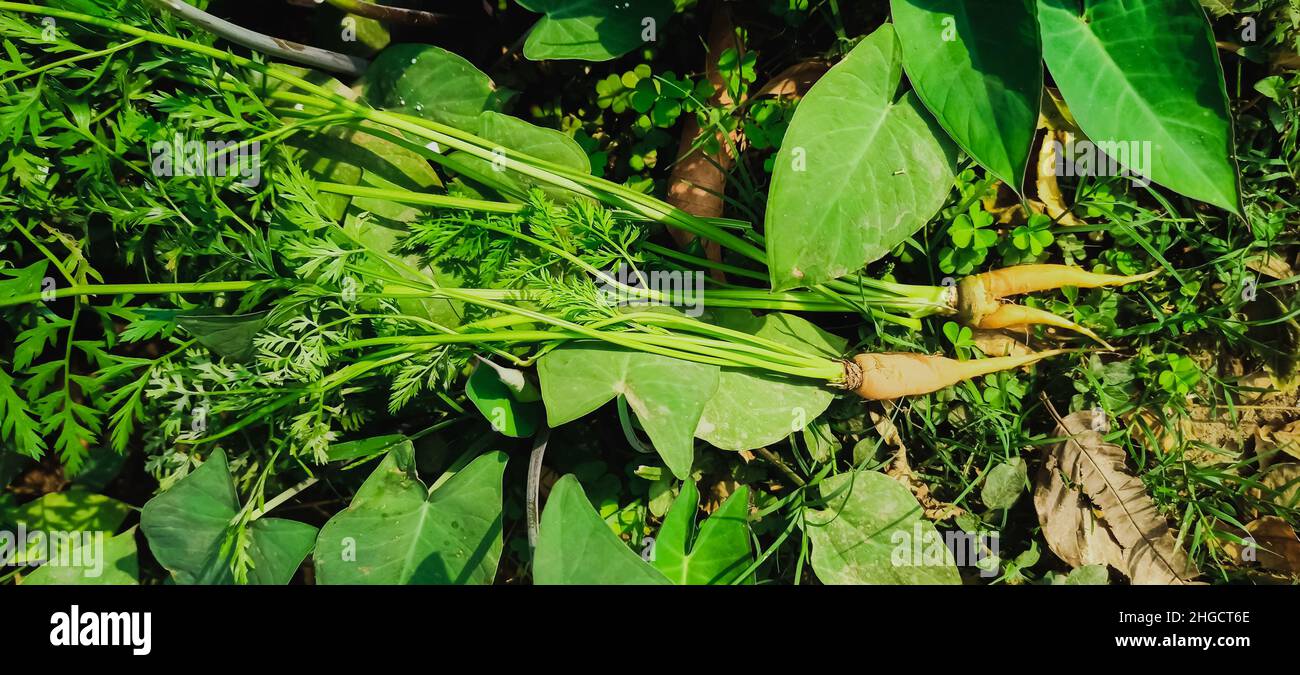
1270	440
1276	545
900	470
1049	192
1281	484
1069	524
1084	471
795	80
1271	265
1054	115
1007	207
717	493
997	343
1143	426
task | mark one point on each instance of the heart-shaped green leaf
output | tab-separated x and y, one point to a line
575	546
859	171
397	531
431	82
593	30
116	564
668	395
751	410
188	526
718	555
872	532
1145	75
978	66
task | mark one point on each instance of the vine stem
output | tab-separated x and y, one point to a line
780	464
291	51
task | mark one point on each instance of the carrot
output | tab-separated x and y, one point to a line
897	374
1019	316
1020	279
979	295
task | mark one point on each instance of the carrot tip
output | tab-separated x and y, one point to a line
1020	316
1021	279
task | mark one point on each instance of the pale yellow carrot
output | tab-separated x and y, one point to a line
979	296
887	376
1020	279
1020	316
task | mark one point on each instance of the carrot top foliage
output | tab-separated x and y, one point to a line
403	308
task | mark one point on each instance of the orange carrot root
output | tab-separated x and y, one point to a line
1019	316
979	295
887	376
1021	279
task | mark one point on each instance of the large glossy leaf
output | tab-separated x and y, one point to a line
668	395
873	532
72	511
751	410
352	156
575	546
978	66
430	82
861	169
117	564
592	30
188	526
1147	71
396	531
540	142
718	554
515	134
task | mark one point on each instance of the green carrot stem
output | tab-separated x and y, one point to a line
410	197
128	289
72	59
698	262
